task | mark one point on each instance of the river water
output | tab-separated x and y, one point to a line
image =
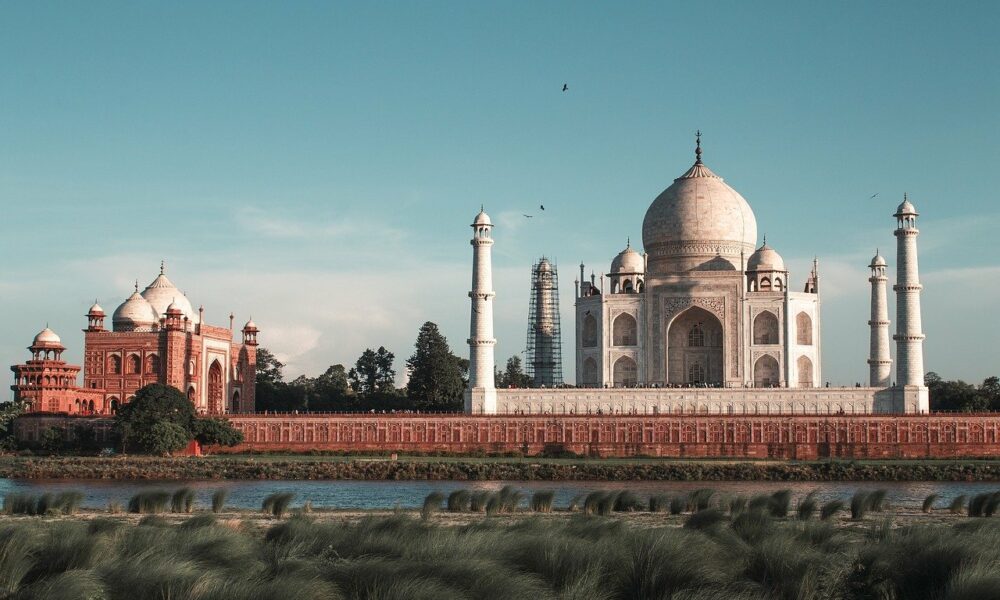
410	494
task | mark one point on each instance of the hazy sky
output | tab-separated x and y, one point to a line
318	165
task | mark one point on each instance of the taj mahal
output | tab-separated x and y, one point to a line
706	321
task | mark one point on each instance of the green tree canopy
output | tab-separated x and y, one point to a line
373	372
161	420
513	375
961	396
436	375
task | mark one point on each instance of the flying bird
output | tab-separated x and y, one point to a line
873	196
529	216
565	87
541	206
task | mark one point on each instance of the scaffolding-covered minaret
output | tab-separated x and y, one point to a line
879	361
543	358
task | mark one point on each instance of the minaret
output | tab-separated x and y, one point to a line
879	362
909	337
482	395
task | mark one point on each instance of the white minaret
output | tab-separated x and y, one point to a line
482	395
909	337
879	361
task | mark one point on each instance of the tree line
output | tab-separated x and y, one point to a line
437	381
957	395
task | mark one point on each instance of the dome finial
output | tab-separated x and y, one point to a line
765	240
137	286
697	147
162	265
628	242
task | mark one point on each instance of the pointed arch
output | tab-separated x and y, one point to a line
590	374
803	329
805	368
695	348
589	331
215	388
765	328
133	364
626	372
624	330
114	364
152	364
766	372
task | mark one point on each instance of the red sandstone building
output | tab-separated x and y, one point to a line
156	337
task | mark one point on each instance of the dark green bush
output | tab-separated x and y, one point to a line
149	502
831	509
541	501
182	500
957	504
808	506
459	501
219	500
659	503
928	505
277	504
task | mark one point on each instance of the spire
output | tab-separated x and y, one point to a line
697	148
162	266
137	286
628	242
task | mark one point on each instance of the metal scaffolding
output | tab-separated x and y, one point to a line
543	357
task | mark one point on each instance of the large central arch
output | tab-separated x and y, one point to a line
215	391
694	348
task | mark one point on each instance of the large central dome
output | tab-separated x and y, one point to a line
698	223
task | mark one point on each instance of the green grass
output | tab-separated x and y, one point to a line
752	556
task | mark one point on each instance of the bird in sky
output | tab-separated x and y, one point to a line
873	196
565	87
529	216
541	206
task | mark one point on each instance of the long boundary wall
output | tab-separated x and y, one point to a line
690	436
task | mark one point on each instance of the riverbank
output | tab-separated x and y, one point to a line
489	469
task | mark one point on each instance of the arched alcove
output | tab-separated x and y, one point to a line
766	372
765	328
589	331
803	329
624	330
626	372
694	340
805	368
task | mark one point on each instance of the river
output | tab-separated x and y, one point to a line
343	494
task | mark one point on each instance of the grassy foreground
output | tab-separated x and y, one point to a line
487	469
749	554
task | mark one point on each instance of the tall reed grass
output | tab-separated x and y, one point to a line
277	504
751	556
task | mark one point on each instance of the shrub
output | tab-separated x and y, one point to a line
541	501
877	501
459	501
928	505
860	503
830	509
149	502
957	504
68	502
19	503
676	505
992	504
276	504
977	504
627	501
700	499
182	500
115	507
780	502
510	499
704	519
478	501
737	505
659	503
807	507
432	504
574	503
219	499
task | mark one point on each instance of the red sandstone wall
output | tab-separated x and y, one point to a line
690	436
790	437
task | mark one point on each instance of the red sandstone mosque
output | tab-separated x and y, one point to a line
156	337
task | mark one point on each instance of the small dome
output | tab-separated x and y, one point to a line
95	310
628	261
878	261
46	336
174	309
250	325
135	313
482	219
765	259
906	208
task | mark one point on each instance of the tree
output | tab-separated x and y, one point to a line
373	372
269	368
165	438
161	420
331	391
513	375
436	375
8	412
956	395
990	390
217	432
272	393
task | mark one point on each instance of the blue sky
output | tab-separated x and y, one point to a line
317	165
